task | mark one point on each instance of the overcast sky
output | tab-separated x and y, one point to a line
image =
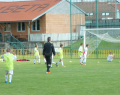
72	0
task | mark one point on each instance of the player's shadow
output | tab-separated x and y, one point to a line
2	82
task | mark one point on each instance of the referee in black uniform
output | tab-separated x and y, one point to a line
48	49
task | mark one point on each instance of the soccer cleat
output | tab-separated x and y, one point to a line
48	72
9	82
5	81
84	64
81	63
63	66
39	63
34	63
57	65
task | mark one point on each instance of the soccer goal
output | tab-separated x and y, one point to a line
102	41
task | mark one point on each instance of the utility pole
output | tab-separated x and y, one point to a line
97	24
115	9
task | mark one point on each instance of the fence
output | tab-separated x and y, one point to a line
9	37
29	53
100	14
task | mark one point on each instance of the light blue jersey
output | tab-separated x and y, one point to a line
109	59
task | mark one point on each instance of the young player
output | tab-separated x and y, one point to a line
8	59
60	54
85	54
36	54
80	53
110	57
1	60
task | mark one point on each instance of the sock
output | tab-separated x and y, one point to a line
58	62
6	77
44	60
39	60
62	63
10	78
51	65
81	60
34	60
84	61
48	67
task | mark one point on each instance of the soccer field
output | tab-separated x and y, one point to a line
98	77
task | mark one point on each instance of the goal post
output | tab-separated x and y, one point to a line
102	39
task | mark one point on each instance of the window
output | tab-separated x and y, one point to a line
88	0
88	21
8	27
90	14
36	26
105	14
20	26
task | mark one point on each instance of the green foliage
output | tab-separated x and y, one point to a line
76	44
102	45
98	77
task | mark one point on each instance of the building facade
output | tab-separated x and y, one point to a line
36	20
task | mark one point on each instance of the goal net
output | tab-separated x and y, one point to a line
102	41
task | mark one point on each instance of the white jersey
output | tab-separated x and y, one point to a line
86	50
14	56
35	49
57	50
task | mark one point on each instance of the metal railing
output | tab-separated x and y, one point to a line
13	42
29	53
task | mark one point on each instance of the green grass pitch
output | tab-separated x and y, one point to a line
98	77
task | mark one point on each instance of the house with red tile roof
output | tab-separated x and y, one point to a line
33	20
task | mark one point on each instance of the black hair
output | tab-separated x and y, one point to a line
8	50
110	52
81	44
87	45
36	45
61	45
49	39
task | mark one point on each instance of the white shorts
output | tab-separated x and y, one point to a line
80	56
9	72
110	60
37	57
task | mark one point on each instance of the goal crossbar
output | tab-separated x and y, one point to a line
101	29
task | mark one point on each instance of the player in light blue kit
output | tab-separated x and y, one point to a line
110	57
